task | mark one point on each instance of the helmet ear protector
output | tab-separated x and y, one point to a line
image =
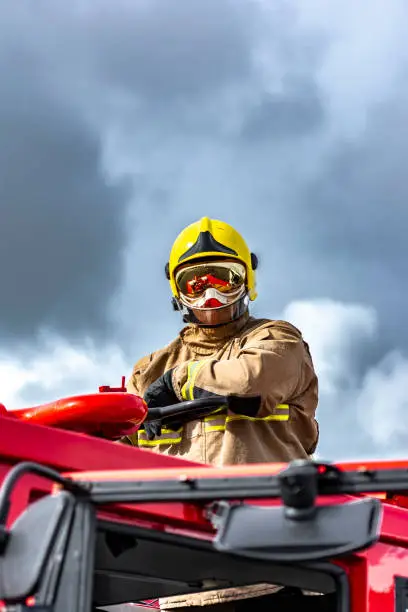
254	261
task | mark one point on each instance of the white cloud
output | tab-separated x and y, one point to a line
362	63
60	371
336	332
361	415
382	402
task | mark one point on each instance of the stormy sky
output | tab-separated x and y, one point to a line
121	122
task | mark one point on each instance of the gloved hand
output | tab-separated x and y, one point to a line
160	393
152	429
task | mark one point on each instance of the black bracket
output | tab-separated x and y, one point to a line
299	484
299	489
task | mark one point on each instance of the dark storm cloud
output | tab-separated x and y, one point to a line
165	50
353	236
62	230
358	216
61	227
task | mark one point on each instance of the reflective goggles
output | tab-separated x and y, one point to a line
226	277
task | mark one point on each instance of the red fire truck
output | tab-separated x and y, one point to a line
89	524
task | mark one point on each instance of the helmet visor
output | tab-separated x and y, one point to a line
227	277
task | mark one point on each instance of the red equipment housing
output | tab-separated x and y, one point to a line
112	413
377	577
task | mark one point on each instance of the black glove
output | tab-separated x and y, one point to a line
152	429
248	406
160	393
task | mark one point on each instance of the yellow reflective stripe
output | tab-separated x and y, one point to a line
159	441
216	414
214	428
165	430
218	422
271	417
168	436
187	390
283	416
215	423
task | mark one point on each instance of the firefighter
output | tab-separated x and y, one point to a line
224	351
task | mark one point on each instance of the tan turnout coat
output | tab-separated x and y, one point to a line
247	357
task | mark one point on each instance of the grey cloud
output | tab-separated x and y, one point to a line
354	240
63	221
34	394
151	50
314	201
61	230
358	217
169	49
297	111
238	110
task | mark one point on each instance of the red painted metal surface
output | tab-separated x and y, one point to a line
372	576
394	527
110	414
69	451
384	563
371	573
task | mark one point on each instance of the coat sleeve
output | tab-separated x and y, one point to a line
132	384
273	363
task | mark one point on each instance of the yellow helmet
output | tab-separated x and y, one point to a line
209	238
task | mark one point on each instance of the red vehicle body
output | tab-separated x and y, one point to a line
377	576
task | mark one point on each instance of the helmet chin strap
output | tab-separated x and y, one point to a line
240	307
